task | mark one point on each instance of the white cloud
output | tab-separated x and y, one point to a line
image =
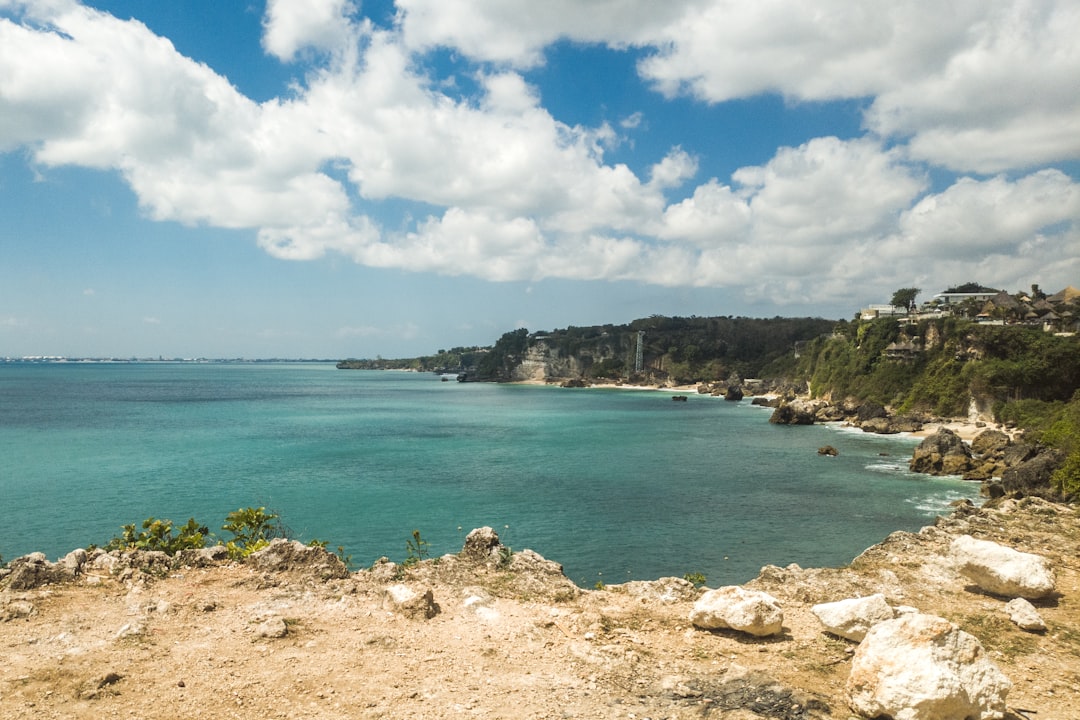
291	26
976	85
992	217
505	191
515	32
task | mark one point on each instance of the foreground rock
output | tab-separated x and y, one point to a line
1001	570
851	619
750	611
1024	615
922	667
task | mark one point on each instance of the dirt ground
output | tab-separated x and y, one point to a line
234	641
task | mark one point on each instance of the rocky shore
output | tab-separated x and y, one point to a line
292	633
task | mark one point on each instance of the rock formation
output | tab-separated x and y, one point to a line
1001	570
733	607
942	453
922	667
852	618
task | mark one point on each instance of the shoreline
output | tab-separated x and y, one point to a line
965	428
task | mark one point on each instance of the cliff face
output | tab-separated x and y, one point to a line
541	361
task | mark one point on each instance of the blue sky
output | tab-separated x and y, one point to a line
336	178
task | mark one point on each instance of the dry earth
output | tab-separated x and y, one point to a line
508	642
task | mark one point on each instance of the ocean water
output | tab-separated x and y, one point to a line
614	484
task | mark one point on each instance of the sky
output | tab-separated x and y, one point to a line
362	178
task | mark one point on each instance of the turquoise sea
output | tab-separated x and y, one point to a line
614	484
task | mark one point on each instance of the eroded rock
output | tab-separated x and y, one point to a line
923	667
852	618
732	607
294	556
1001	570
942	453
418	604
1024	615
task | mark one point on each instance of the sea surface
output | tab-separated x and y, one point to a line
614	484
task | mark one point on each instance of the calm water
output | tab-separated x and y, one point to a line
613	484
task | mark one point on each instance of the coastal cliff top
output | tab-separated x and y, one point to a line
508	637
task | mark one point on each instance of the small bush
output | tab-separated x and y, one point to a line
252	529
158	535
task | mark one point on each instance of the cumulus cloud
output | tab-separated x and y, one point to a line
291	26
979	86
504	190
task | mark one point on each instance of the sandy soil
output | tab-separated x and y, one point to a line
229	641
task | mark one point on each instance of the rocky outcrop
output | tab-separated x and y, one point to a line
794	413
34	570
733	607
1001	570
294	556
922	667
942	453
416	604
1033	476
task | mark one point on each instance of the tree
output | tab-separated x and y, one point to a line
905	298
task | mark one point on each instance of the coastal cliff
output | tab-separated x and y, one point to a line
488	633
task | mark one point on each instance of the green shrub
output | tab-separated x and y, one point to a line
158	535
252	529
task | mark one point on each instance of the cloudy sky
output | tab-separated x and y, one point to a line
335	178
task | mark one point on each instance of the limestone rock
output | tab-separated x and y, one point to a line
665	590
1024	615
201	557
750	611
942	453
273	627
294	556
1001	570
34	570
411	603
852	618
922	667
481	544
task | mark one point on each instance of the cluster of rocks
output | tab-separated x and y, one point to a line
870	417
908	664
1006	466
281	555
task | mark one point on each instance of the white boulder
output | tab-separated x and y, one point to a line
922	667
736	608
1025	615
1001	570
852	618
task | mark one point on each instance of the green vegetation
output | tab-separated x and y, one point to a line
252	529
905	297
698	579
416	549
948	362
158	535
